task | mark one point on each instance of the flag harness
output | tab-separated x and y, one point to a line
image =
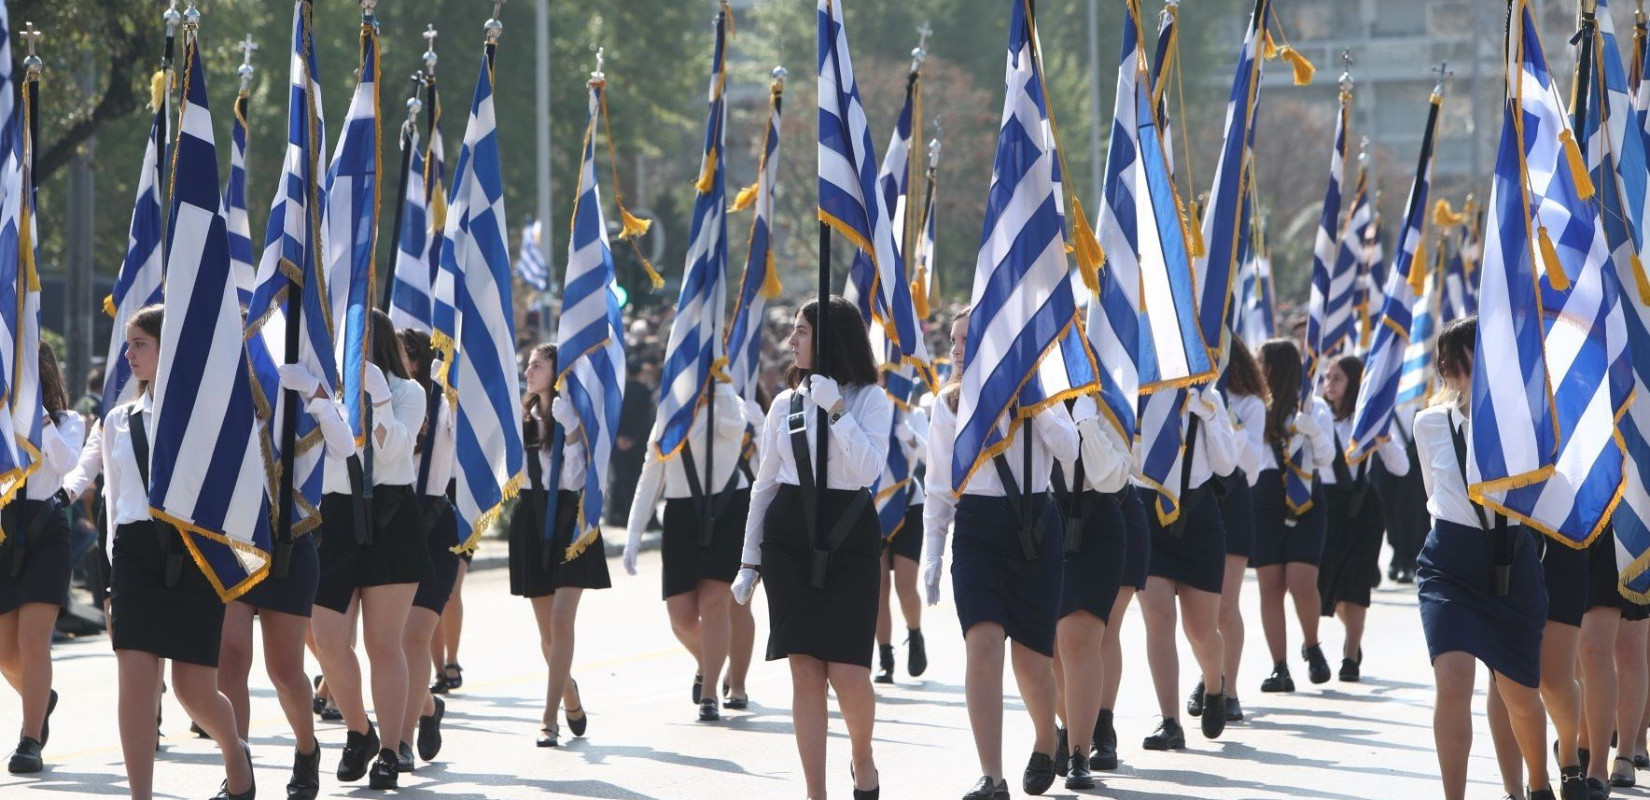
823	547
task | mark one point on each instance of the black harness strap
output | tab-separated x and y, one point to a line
833	539
1289	518
1177	528
1019	498
710	508
535	471
1502	537
1359	484
1072	499
171	543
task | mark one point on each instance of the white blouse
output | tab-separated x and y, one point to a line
1249	422
442	439
913	442
109	451
670	477
1447	497
1107	460
61	442
858	442
1322	448
392	441
1392	453
572	457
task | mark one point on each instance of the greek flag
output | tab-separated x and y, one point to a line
290	262
1340	329
590	336
1416	376
1144	328
1371	280
141	273
692	353
1022	301
234	196
761	280
1257	315
350	234
410	282
849	200
418	295
894	186
530	260
207	474
1456	299
1387	381
1552	376
924	278
20	426
482	369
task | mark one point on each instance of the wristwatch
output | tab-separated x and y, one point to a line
836	415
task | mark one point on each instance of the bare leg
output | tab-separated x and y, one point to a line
1302	580
1200	616
1352	618
1560	692
809	720
196	688
334	634
1529	724
235	663
1598	686
1162	654
557	615
983	689
743	641
885	588
421	627
452	616
1078	656
283	636
1633	683
714	600
384	614
1111	650
683	610
1231	620
1272	620
905	585
1034	674
1452	719
1507	757
852	684
35	622
139	676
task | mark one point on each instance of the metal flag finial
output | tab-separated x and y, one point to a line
246	69
414	103
32	62
493	27
191	17
778	74
920	52
171	17
429	50
934	145
1444	74
598	76
1346	71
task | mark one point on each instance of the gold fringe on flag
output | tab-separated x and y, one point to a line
109	305
1555	269
1086	245
1639	278
770	282
919	292
1418	269
707	173
745	199
157	90
1578	167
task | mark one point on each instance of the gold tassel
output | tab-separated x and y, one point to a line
1089	254
1303	68
1641	280
632	225
1555	269
157	90
919	294
707	175
1578	167
770	282
1418	270
109	303
438	211
1269	47
745	198
1445	217
1195	246
653	275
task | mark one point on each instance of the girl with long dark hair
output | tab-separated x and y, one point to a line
822	584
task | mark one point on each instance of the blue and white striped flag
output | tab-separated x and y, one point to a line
1388	381
20	426
530	265
1340	329
693	351
141	273
421	298
590	336
410	281
234	196
1456	299
761	280
1416	377
207	473
290	262
483	370
1552	376
1022	301
894	186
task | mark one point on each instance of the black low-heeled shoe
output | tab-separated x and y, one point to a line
1279	681
1194	701
1039	774
200	733
1621	779
26	759
251	792
1641	761
1080	777
1214	713
1597	790
1062	756
1103	752
577	726
1540	794
698	688
732	703
916	653
1168	736
885	660
1234	709
358	748
385	772
988	789
46	724
317	703
305	783
548	735
1317	667
429	731
455	680
708	711
1350	668
873	793
404	758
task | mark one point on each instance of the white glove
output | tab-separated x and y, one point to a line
1204	402
375	385
1084	409
826	393
906	435
754	415
335	431
299	379
744	585
932	570
632	549
564	414
1307	424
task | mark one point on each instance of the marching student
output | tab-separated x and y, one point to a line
704	531
821	585
1468	613
1006	571
161	604
375	560
1288	548
1632	686
1355	520
1136	555
1245	394
552	581
449	675
1606	610
1095	542
35	563
434	453
900	554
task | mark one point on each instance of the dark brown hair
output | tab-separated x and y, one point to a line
1455	355
386	346
53	394
530	403
1353	368
1243	374
1280	361
420	356
147	319
848	358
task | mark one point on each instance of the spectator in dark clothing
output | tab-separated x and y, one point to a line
630	449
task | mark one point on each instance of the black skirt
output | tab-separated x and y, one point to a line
1351	547
42	561
1407	518
440	538
1094	571
183	622
993	581
398	553
1197	557
1564	569
1461	612
687	559
835	624
528	577
1237	515
295	593
907	541
1277	541
1137	555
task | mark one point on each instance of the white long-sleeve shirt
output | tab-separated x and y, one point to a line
572	457
1217	451
858	450
669	477
392	441
109	452
1107	460
1322	447
1392	453
1249	422
1441	473
442	439
916	449
61	442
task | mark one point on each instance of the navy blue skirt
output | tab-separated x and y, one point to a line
1237	515
1351	547
295	593
1139	550
1197	557
993	581
907	541
1276	541
1565	572
441	521
1461	612
1094	571
43	575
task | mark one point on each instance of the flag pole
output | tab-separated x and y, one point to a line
1584	68
409	140
822	444
172	18
708	512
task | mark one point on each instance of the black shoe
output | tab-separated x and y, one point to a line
733	703
1039	774
1279	680
873	793
1103	751
885	660
1641	762
456	679
46	724
385	770
317	703
331	714
988	789
1234	709
1349	668
1317	667
1623	778
305	783
26	758
439	685
1080	776
1168	736
1580	751
1392	572
707	710
547	736
1572	783
200	733
1407	576
1540	794
1597	790
577	726
1194	701
1062	753
251	792
358	747
404	758
1214	714
429	731
916	653
698	687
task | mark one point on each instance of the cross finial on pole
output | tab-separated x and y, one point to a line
1346	71
246	70
494	27
30	37
1444	73
430	58
598	76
